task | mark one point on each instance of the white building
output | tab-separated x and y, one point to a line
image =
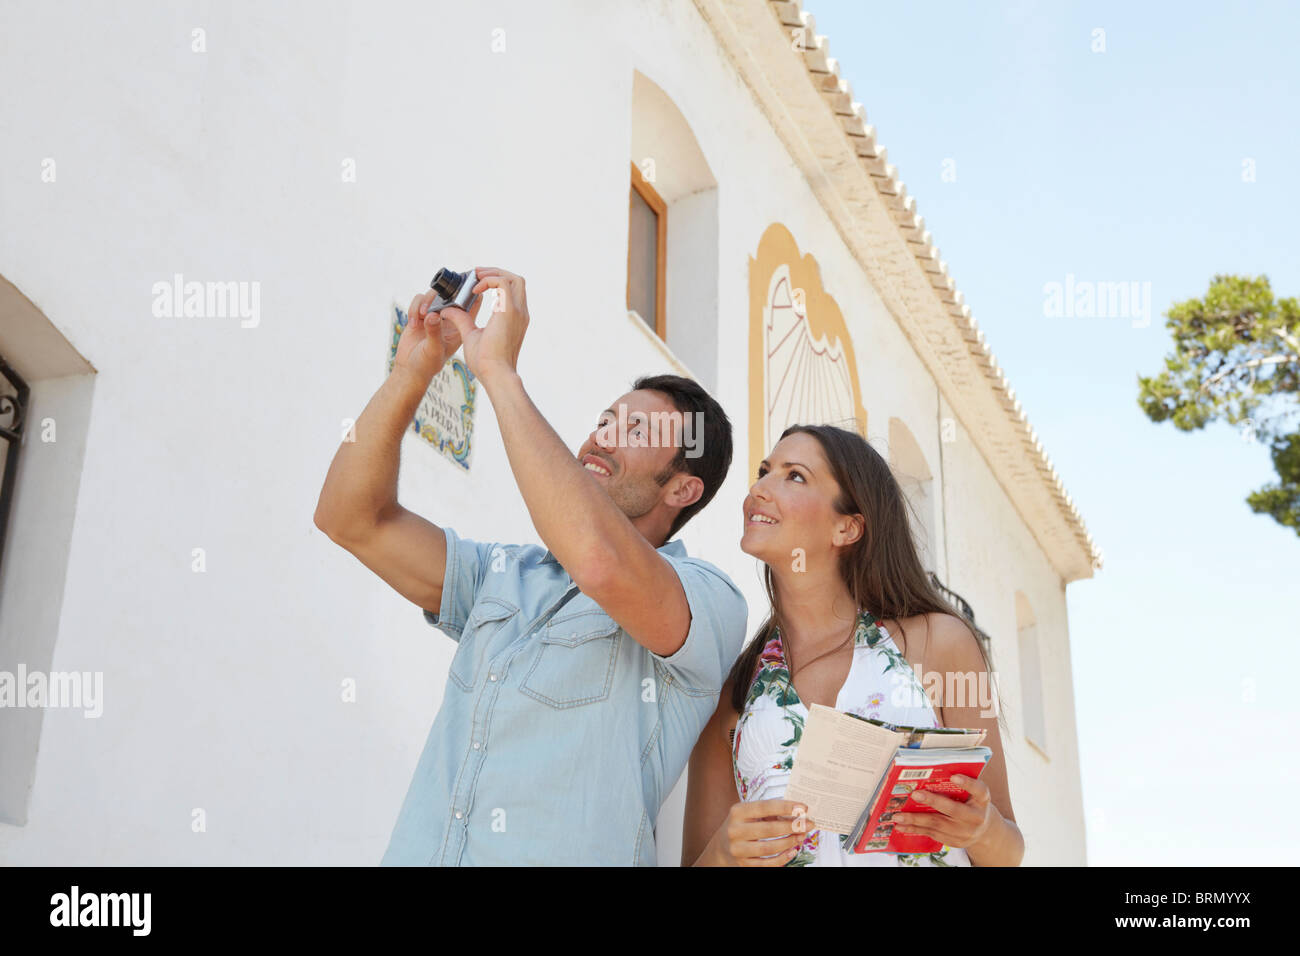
293	172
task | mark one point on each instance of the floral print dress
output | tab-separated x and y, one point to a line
880	684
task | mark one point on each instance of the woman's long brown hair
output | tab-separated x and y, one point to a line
881	569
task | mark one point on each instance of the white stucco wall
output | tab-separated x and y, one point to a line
222	689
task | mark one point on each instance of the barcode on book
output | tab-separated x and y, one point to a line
918	774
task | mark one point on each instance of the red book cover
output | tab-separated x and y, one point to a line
914	770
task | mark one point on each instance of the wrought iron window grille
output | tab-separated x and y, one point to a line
14	401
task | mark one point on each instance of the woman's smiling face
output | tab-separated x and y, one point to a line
791	503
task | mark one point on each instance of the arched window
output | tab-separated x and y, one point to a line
1031	674
913	474
672	266
45	398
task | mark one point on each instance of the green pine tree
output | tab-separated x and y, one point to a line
1236	357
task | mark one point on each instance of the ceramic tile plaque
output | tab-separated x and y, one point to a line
445	418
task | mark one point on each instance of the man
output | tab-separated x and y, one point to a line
586	670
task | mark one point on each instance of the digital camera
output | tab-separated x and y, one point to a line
453	288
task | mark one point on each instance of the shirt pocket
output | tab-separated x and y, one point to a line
576	663
485	622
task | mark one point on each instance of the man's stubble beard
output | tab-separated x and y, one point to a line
635	503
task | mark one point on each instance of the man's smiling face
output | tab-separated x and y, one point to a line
630	450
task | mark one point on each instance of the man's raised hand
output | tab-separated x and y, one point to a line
427	341
495	347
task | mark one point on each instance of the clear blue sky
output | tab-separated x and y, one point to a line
1124	166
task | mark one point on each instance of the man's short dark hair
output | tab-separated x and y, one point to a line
711	465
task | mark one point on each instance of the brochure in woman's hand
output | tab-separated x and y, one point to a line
854	773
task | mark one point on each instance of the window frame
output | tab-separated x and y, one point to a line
1032	686
657	205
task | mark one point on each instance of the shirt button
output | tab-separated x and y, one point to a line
492	676
476	745
457	814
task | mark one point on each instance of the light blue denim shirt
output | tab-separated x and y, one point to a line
558	738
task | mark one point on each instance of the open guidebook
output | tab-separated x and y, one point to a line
854	773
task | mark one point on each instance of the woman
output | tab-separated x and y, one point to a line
851	608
